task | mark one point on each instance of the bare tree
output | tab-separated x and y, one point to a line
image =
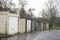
30	12
51	12
0	5
6	5
44	14
3	5
22	11
22	3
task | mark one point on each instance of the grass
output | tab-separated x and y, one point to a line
55	27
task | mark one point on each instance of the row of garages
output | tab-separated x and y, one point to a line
30	25
11	24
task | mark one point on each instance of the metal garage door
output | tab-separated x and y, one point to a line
28	25
37	26
40	25
47	26
22	25
33	25
44	26
13	25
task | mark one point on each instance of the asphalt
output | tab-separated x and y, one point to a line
38	35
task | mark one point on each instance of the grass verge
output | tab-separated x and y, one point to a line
55	27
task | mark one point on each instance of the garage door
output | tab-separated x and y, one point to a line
28	25
37	26
44	26
40	25
33	25
13	25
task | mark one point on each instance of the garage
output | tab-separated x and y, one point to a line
13	25
41	25
44	26
8	23
37	26
33	25
47	26
22	27
28	25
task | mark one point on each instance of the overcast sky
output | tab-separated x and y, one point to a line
38	5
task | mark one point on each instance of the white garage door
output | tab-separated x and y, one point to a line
28	25
13	25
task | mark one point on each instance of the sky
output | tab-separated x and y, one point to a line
16	2
38	5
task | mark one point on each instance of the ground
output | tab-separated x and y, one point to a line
38	35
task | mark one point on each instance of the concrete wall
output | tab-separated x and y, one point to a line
28	25
3	24
22	26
